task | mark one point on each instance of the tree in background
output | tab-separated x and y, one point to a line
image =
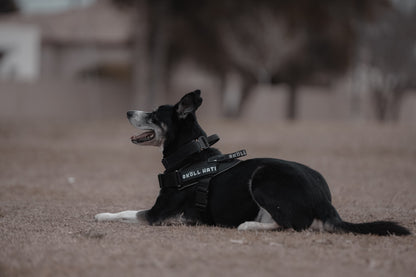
245	43
295	43
387	60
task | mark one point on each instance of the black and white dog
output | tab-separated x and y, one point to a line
254	194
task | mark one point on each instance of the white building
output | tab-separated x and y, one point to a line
66	44
20	52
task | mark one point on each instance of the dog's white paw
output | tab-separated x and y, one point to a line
103	217
126	216
246	226
257	226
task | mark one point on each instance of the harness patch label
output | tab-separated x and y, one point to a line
237	154
198	172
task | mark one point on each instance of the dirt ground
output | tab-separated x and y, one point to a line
54	177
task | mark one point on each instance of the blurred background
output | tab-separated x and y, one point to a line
350	60
328	83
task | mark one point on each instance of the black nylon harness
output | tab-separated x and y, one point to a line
198	174
192	147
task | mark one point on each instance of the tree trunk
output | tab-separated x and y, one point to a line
150	53
380	105
140	79
292	101
158	52
232	94
235	90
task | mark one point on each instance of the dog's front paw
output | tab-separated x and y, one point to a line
126	216
103	217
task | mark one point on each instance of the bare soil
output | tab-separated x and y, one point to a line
54	177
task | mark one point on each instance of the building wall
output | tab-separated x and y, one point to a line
21	45
70	61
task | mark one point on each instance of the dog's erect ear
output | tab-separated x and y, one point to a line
188	104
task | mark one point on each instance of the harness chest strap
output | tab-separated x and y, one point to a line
199	174
180	181
185	177
201	196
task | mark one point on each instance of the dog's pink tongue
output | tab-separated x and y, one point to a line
145	135
138	136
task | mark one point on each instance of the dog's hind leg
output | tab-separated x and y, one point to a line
257	226
263	222
292	200
126	216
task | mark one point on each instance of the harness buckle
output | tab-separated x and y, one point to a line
203	143
170	180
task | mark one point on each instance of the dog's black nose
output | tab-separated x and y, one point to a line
130	114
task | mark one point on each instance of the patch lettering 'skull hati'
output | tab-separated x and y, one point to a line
198	172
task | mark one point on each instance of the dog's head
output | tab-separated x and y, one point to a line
168	126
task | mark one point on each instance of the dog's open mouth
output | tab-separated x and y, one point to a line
147	136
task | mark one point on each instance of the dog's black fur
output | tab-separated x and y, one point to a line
292	193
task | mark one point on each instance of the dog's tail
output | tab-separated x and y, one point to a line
334	223
380	228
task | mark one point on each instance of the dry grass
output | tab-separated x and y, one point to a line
55	177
